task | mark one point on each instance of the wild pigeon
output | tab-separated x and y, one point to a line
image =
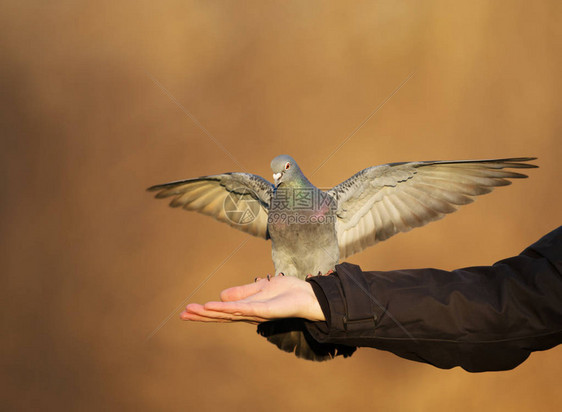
312	229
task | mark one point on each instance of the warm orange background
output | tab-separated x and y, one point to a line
92	264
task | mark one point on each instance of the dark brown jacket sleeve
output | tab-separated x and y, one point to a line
480	318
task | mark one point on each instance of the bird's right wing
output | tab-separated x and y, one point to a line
380	201
240	200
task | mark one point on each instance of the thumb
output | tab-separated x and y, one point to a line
241	292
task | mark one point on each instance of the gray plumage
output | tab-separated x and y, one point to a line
311	229
301	223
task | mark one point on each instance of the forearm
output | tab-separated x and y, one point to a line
481	318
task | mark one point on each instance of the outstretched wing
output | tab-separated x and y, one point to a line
381	201
238	199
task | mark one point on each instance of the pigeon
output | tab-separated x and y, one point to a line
312	229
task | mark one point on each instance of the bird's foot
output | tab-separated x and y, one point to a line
321	274
257	279
268	277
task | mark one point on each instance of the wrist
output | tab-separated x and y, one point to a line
314	310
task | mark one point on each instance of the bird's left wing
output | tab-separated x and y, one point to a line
240	200
380	201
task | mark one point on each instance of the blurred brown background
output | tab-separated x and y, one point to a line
91	264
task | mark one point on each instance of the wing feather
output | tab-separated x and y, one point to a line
380	201
208	194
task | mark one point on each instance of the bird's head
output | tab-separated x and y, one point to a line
284	169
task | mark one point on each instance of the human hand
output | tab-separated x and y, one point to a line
261	301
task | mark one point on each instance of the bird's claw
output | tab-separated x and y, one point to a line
321	274
268	277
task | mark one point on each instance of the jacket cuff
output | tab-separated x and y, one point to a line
347	311
329	294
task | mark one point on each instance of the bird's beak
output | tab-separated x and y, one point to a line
276	177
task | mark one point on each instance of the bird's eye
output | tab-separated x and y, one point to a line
287	165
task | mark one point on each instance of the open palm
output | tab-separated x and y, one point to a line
264	300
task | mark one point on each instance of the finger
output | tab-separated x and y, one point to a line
196	312
198	318
254	310
241	292
218	315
